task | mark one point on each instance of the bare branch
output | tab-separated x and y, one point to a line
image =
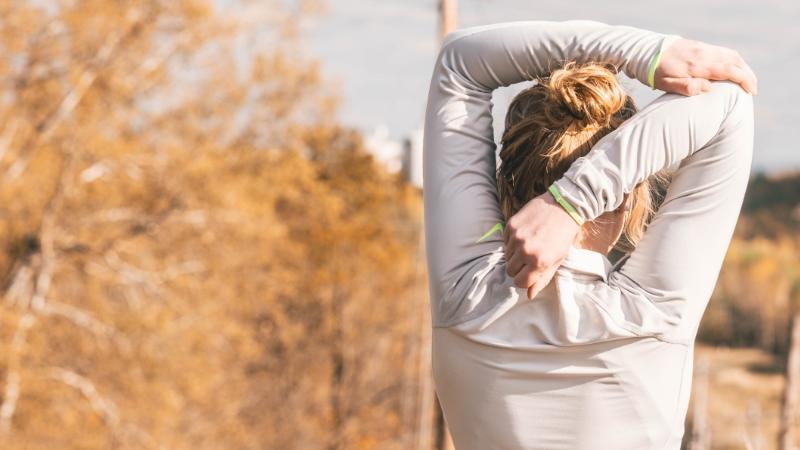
7	137
20	290
104	407
48	125
157	60
77	316
130	274
14	377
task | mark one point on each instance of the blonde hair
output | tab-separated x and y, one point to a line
551	124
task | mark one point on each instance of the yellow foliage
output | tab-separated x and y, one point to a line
757	293
197	255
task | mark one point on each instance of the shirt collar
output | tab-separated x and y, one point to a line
588	261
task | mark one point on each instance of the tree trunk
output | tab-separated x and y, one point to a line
701	435
786	432
335	309
754	438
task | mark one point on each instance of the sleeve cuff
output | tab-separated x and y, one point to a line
565	204
656	59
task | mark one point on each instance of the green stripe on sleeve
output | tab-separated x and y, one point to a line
565	204
497	227
651	72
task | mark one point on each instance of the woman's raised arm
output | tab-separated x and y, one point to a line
663	286
462	213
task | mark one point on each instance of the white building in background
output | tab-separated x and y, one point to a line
388	152
395	156
412	158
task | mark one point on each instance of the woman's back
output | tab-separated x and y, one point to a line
557	372
602	358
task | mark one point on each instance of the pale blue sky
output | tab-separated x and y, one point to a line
380	53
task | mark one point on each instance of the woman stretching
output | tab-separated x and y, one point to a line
601	356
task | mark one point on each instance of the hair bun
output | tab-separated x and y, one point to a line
590	93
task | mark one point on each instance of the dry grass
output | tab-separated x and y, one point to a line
745	389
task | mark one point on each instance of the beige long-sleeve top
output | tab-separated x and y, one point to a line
601	358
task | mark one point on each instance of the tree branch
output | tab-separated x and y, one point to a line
45	127
104	407
14	377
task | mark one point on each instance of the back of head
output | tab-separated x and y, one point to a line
553	123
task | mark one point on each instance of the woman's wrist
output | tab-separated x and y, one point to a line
656	59
567	206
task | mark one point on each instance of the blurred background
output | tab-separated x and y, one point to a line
210	215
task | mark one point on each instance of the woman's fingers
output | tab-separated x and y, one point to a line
542	281
535	279
685	61
521	277
749	76
749	82
514	263
733	71
752	76
525	277
685	86
523	268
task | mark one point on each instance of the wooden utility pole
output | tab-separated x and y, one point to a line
432	429
448	21
427	400
448	17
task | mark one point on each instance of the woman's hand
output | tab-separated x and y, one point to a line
687	67
538	237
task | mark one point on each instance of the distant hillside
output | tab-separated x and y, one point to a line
771	206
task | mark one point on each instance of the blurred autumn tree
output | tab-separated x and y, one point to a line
196	255
758	291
